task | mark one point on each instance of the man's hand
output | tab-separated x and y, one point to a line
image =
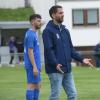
87	61
59	68
35	71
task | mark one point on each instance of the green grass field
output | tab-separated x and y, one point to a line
13	84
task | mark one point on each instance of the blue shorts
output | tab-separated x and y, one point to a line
31	78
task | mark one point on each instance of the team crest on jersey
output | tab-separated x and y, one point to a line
57	35
37	43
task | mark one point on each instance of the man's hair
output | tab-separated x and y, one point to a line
53	10
34	16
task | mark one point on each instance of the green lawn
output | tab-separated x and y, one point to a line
13	84
19	14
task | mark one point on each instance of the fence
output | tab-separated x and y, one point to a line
18	58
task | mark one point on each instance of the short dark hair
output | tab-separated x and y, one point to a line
34	16
53	9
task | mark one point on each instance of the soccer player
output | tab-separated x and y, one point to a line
32	58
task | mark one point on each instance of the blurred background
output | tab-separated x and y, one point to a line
82	18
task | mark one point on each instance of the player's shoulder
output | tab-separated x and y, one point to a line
30	32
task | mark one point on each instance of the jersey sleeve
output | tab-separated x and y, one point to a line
30	41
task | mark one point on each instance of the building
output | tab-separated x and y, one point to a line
82	19
42	7
8	29
12	4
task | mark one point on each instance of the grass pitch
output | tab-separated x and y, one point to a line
13	84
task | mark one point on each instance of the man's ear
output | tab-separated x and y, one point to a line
32	22
53	16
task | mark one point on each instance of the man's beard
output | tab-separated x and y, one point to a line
37	27
59	21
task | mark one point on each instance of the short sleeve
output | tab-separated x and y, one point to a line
30	41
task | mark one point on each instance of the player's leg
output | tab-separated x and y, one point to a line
33	92
12	57
56	83
36	91
37	87
97	62
33	86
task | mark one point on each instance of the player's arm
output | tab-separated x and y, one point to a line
31	57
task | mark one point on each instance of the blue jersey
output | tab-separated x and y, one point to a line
31	41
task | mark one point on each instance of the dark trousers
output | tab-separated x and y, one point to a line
97	60
12	56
